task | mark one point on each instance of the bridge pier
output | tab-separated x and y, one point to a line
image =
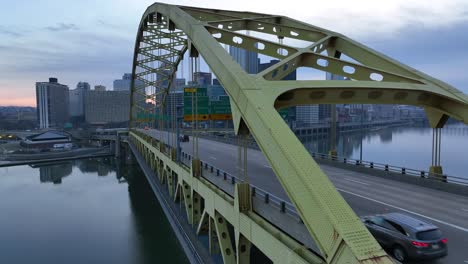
436	169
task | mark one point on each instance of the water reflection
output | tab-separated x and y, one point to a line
88	218
400	146
54	173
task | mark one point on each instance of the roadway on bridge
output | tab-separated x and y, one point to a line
366	194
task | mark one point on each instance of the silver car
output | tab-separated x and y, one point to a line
407	237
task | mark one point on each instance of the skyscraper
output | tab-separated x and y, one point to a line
248	60
52	103
202	78
76	99
83	86
125	83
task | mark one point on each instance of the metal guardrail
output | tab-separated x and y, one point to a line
287	207
444	178
395	169
268	198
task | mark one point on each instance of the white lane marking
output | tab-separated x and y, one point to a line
406	210
267	166
463	209
360	182
466	261
211	157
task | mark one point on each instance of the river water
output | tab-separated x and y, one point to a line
83	211
409	147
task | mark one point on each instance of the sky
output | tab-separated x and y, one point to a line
92	41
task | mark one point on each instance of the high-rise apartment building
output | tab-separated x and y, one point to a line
52	100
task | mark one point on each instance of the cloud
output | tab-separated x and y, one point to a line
10	33
62	27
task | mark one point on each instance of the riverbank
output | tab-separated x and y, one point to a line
22	159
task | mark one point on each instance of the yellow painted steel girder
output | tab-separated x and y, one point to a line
375	79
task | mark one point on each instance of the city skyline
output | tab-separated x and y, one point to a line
96	44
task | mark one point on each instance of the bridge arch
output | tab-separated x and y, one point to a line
338	232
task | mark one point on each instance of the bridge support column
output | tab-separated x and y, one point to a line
224	239
117	145
187	194
173	154
243	246
196	168
436	169
212	238
170	182
196	208
332	152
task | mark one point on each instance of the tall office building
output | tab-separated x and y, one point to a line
202	78
174	104
125	83
179	84
52	103
83	86
107	107
307	115
248	60
76	99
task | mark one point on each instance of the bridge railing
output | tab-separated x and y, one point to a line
268	198
443	178
392	168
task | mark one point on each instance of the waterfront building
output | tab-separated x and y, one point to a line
307	115
47	140
52	100
382	112
102	107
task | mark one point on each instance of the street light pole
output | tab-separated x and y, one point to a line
178	133
362	132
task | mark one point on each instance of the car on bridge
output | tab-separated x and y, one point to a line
184	138
407	237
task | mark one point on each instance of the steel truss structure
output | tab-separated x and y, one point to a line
166	32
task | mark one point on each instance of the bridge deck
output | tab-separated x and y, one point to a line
366	194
